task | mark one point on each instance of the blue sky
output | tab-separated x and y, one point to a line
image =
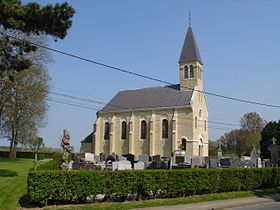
239	42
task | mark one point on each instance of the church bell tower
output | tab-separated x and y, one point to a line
190	64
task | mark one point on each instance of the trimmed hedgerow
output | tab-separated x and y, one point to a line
28	155
54	186
50	165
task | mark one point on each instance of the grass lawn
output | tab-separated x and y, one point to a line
13	174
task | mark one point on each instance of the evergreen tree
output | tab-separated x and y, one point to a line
53	20
272	129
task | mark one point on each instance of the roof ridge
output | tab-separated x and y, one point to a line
168	86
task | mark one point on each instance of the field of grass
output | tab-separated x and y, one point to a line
13	175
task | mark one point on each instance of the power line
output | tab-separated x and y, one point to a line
144	76
78	103
123	107
90	108
72	104
99	102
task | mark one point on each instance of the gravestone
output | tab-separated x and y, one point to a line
124	165
122	158
89	157
274	151
219	152
179	159
115	156
255	154
259	163
144	158
167	161
158	165
130	157
182	166
245	162
110	158
103	157
115	165
139	165
206	161
196	161
96	158
156	158
214	163
76	165
225	163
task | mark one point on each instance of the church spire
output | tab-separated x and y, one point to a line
190	50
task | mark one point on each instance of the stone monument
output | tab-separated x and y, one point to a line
220	152
65	144
255	155
274	150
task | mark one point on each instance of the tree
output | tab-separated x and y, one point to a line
252	122
25	107
241	141
23	79
234	142
272	129
53	20
213	148
36	146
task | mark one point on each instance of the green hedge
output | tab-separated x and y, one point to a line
51	186
28	155
50	165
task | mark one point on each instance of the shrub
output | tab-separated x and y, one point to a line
45	186
50	165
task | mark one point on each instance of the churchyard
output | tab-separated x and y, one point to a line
104	180
112	179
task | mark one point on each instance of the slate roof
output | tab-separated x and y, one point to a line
88	139
190	50
154	97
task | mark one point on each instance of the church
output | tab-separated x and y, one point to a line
158	120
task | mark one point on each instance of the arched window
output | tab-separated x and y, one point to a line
205	125
195	122
200	148
184	144
143	129
186	72
124	130
200	113
191	71
107	130
199	72
165	128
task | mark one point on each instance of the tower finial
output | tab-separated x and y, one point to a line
190	20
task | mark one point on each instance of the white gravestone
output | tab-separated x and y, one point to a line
124	165
89	157
139	166
115	165
121	158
